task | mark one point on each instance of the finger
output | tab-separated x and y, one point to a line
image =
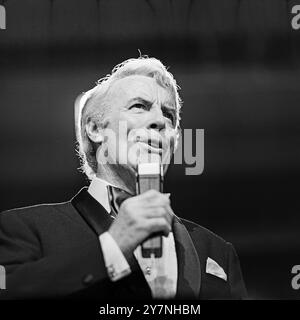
150	194
165	212
159	225
161	212
159	199
153	198
155	212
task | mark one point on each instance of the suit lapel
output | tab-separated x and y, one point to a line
133	286
189	269
92	212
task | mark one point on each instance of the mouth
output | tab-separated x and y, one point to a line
153	143
152	146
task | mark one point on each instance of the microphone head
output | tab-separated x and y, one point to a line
150	168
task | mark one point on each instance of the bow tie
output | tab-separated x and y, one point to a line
116	197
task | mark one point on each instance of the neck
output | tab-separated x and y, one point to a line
119	176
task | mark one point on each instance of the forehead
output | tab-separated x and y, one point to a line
139	86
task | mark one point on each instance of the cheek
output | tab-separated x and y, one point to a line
171	136
134	120
123	127
128	127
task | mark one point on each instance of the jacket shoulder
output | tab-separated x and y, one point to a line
34	209
38	213
203	234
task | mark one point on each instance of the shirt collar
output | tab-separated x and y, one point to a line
98	190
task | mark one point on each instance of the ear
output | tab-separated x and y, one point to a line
94	131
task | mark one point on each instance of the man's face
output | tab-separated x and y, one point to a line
142	116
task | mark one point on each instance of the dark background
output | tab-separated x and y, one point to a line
237	62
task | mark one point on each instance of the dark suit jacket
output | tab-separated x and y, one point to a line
53	251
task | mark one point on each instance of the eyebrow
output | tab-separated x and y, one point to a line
168	105
140	100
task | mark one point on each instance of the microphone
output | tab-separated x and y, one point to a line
150	176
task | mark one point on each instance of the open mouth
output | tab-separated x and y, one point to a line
153	145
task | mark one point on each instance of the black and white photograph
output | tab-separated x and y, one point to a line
149	152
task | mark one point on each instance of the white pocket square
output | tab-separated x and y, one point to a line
213	268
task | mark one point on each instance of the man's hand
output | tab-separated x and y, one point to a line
139	217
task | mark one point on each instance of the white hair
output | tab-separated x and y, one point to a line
86	108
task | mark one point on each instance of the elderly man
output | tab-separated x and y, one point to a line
90	247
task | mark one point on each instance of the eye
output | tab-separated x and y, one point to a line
138	106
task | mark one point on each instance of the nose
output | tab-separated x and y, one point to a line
157	121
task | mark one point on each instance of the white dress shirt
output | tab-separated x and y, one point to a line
160	273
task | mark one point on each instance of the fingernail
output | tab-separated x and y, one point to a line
168	194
